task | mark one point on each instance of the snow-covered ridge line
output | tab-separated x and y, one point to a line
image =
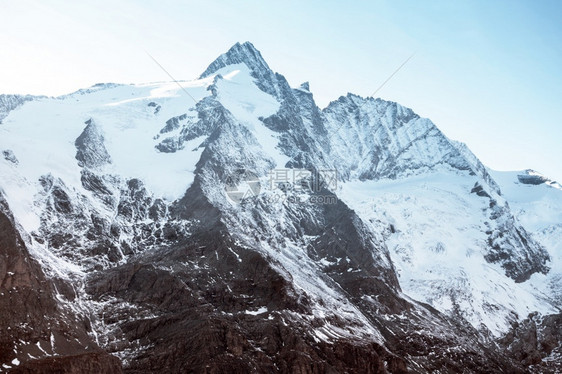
11	102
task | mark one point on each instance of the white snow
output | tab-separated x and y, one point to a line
539	209
238	93
42	133
261	310
537	206
41	348
235	254
438	244
52	339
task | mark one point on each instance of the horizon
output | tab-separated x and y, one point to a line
472	59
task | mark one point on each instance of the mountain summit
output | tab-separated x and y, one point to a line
244	53
255	232
249	56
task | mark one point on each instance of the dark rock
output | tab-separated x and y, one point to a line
170	145
479	190
158	210
532	179
61	200
10	156
76	364
90	148
33	315
155	106
173	124
533	340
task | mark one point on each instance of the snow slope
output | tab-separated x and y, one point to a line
436	234
539	209
41	135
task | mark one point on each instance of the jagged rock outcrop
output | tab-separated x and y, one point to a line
90	148
534	178
38	333
537	342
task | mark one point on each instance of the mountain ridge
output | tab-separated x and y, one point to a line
277	281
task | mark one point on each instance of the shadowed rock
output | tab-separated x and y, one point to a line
90	148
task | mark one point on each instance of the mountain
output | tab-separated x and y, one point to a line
232	226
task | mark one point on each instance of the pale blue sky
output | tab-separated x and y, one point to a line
486	72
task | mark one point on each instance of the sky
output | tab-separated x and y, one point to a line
487	73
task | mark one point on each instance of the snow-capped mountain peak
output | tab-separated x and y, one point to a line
364	236
248	55
244	53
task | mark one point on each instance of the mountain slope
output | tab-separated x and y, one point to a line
253	231
39	317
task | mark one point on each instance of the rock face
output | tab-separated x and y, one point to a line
296	276
536	342
90	150
534	178
248	55
39	333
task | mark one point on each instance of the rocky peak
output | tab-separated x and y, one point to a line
268	81
244	53
90	148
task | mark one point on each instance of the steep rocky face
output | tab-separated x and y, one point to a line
512	247
537	342
208	304
386	140
248	55
508	242
211	303
35	324
90	150
296	276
